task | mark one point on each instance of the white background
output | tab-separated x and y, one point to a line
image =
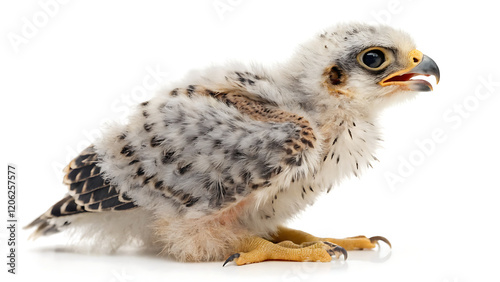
86	62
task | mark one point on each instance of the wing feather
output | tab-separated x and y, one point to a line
88	192
200	150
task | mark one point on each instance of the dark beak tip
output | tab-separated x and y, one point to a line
430	67
427	67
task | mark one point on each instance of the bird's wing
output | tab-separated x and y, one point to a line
199	149
88	192
88	188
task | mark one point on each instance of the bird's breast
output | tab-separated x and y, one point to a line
349	150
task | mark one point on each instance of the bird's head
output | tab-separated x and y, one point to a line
369	64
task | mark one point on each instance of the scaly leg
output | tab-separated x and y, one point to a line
350	243
256	249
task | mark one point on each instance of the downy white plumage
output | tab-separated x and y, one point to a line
235	151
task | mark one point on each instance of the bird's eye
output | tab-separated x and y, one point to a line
373	58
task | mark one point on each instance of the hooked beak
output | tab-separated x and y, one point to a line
420	64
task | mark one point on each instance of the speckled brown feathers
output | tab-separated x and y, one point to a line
270	113
267	112
260	142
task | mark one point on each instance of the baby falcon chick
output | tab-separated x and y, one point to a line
213	168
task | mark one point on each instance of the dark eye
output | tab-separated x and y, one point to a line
373	58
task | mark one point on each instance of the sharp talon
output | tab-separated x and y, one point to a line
375	239
344	252
337	250
231	258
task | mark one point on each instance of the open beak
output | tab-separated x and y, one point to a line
420	64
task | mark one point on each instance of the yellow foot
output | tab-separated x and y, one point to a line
256	249
350	243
